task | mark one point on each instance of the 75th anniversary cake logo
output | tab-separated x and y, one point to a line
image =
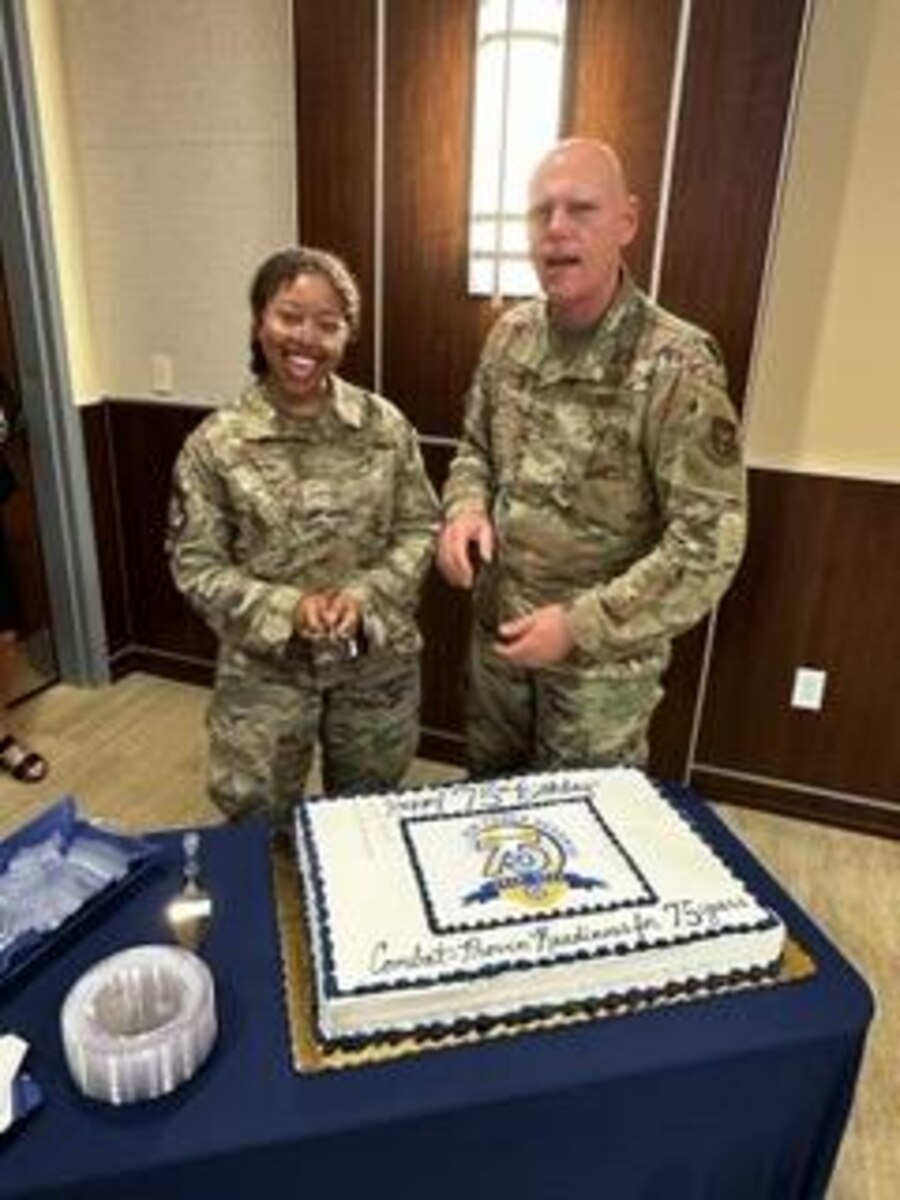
525	863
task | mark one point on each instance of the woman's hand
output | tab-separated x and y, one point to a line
328	614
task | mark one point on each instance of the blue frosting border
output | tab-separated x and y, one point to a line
322	940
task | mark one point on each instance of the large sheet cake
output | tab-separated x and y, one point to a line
442	908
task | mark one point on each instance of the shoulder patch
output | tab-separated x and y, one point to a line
721	441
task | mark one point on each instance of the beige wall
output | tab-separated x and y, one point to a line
64	194
178	118
826	393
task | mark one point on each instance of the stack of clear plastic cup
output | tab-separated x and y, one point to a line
139	1024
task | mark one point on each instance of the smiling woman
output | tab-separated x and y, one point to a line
303	337
301	528
305	306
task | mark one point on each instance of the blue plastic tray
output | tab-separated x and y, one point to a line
63	818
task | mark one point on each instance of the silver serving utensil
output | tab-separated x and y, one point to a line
189	914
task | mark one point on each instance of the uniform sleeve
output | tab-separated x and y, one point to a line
693	451
389	592
239	608
469	485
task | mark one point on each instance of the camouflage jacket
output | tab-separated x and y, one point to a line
610	465
265	508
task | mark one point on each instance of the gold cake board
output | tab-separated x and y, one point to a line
309	1056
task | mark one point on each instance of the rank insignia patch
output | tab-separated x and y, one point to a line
721	442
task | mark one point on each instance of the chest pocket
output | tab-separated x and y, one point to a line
567	443
535	430
615	491
303	497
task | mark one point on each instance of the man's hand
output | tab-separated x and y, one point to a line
543	638
458	537
328	614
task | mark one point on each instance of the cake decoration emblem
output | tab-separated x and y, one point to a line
525	863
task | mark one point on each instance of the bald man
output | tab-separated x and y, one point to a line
596	502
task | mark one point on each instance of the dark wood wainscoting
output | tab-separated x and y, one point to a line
131	448
445	626
818	588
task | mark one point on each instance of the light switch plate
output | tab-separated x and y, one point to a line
162	372
809	688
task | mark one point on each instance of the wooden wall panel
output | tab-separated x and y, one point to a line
432	329
621	64
738	83
335	93
160	617
446	620
737	87
131	449
102	470
673	720
819	587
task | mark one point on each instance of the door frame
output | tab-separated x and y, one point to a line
57	451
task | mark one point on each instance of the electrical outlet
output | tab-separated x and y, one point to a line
162	374
809	688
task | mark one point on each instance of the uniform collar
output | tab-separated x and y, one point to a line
609	323
555	354
263	420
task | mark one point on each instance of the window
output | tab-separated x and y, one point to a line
518	98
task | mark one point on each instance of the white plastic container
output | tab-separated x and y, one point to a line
140	1023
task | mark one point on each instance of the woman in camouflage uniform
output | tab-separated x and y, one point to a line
301	526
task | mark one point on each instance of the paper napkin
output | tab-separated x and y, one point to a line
18	1093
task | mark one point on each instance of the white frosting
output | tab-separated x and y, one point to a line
486	899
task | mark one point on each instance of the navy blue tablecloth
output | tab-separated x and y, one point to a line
738	1097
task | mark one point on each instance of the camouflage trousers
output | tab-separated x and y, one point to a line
591	716
267	716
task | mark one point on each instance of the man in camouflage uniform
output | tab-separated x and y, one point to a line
301	526
597	497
